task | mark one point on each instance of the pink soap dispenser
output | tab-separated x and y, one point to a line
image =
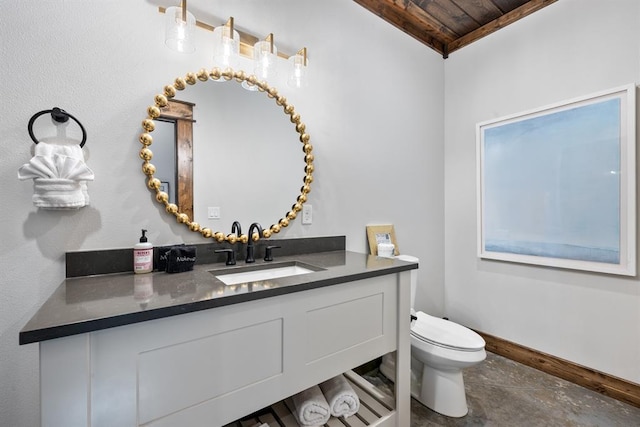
143	255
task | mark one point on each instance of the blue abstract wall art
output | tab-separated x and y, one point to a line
555	185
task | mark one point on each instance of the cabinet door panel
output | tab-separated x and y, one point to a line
340	326
176	377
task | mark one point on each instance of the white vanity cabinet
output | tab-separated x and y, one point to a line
214	366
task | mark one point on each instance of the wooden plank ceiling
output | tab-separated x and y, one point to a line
448	25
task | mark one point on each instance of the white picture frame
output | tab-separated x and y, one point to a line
556	186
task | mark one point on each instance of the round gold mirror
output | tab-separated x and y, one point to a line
184	216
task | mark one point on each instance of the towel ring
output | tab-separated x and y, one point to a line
60	116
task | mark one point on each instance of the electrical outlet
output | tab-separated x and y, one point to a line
213	212
307	214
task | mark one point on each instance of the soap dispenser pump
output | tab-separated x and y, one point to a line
143	255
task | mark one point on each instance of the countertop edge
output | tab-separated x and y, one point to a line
45	334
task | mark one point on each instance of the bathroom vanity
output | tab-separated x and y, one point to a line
187	349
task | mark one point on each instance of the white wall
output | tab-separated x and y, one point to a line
569	49
374	112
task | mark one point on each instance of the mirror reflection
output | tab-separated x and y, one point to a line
245	154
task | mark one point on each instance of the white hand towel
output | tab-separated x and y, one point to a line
59	174
311	408
53	193
343	400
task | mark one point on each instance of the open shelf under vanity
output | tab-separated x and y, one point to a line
376	408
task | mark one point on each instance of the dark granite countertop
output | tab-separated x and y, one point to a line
91	303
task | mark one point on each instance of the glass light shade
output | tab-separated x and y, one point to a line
298	71
265	60
225	48
179	34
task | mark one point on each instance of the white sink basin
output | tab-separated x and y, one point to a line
262	272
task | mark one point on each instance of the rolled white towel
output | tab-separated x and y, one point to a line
311	408
343	400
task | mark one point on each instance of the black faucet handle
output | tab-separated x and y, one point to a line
231	255
268	256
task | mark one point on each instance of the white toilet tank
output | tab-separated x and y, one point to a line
414	277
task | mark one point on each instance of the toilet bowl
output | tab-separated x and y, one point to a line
440	350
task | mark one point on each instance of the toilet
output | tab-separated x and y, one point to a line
440	350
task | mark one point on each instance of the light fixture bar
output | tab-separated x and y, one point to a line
269	39
246	40
303	52
229	25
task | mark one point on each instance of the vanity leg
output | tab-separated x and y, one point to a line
65	382
403	352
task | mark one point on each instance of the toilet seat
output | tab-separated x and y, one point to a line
446	334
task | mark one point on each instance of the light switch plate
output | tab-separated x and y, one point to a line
213	212
307	214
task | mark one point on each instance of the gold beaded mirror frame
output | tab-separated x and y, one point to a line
154	184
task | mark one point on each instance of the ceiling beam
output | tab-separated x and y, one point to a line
501	22
422	29
417	22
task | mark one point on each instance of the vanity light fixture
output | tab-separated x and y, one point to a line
229	43
265	62
226	45
265	55
179	29
298	73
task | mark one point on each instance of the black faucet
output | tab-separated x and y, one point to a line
236	228
250	258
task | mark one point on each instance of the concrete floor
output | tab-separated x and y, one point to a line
501	392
